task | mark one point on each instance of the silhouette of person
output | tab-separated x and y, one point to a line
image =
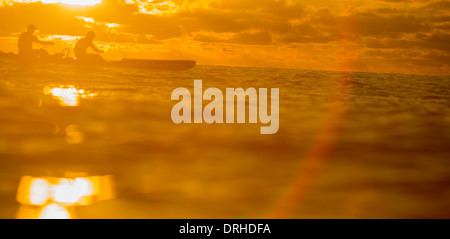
26	41
82	46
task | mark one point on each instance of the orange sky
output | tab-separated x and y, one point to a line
402	36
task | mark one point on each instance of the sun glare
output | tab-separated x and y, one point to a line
150	7
67	96
86	19
68	2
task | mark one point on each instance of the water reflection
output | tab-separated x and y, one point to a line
67	96
52	197
54	211
74	135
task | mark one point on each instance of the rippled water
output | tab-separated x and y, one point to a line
349	145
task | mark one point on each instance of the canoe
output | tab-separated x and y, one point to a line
169	65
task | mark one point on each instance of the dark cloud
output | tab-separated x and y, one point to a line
394	26
439	6
436	41
261	38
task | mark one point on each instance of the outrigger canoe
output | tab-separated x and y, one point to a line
171	65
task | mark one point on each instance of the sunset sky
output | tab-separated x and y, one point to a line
401	36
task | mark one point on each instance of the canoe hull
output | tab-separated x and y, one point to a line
167	65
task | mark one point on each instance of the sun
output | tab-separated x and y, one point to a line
68	2
75	2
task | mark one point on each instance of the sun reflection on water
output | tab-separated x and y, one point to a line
54	211
52	197
67	96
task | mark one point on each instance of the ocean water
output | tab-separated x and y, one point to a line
350	145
